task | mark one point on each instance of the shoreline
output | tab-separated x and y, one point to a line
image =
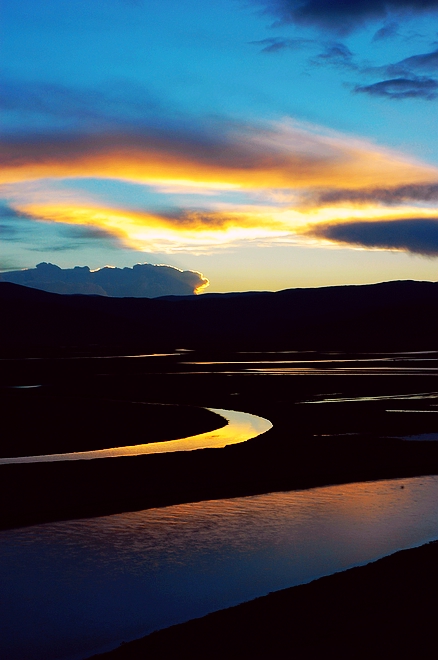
386	607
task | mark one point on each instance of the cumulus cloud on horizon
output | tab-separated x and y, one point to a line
140	281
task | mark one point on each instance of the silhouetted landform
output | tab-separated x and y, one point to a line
309	444
38	424
387	316
143	280
386	609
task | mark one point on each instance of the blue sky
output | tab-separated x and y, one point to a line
265	143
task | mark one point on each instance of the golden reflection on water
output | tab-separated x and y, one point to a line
240	427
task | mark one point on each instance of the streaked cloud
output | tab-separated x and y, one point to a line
422	63
337	54
172	231
213	190
405	79
402	88
401	194
415	235
277	155
278	44
386	31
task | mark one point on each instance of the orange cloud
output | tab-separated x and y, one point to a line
284	155
298	177
164	232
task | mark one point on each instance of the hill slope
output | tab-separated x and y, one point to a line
387	316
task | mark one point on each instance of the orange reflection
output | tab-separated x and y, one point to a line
240	428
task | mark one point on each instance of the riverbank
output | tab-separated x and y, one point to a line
384	609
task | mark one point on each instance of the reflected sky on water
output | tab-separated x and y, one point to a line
72	588
240	427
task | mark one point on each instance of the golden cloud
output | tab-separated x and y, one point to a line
303	175
284	155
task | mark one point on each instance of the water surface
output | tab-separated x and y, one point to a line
240	427
73	588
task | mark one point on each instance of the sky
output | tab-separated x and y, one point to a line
267	144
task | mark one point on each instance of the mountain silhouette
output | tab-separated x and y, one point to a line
399	315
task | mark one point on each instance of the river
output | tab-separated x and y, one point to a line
70	589
240	427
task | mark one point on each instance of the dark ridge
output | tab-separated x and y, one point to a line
387	316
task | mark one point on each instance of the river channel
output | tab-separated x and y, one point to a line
240	427
71	589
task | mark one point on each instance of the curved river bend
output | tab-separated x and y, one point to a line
241	426
70	589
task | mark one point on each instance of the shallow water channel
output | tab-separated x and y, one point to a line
240	427
73	588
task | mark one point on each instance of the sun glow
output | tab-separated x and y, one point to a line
214	229
266	185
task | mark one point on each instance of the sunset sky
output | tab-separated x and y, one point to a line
268	144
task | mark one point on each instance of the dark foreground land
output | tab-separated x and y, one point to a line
386	609
338	415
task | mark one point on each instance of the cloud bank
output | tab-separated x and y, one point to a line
389	196
415	235
343	16
403	88
280	154
141	281
409	78
259	182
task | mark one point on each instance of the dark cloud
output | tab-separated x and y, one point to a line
427	192
141	281
404	79
277	44
343	16
224	146
86	233
422	63
7	211
387	31
337	54
416	235
402	88
199	219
